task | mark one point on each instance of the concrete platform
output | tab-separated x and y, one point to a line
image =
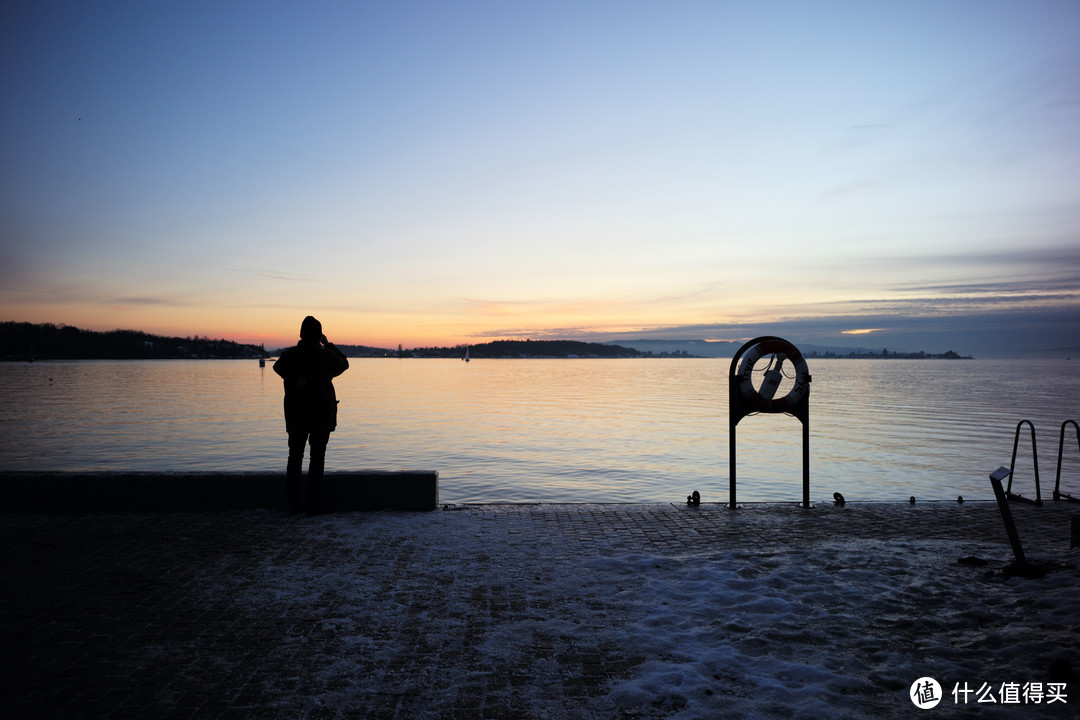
194	492
583	612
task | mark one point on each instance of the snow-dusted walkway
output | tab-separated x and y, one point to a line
539	611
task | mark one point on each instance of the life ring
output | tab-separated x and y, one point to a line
753	398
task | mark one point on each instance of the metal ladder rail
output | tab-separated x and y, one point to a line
1058	495
1012	465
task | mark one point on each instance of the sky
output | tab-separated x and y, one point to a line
903	175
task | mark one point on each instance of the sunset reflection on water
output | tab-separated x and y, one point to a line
639	430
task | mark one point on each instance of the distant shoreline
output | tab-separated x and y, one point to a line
28	342
949	355
411	355
642	356
572	349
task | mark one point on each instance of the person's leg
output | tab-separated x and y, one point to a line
295	470
315	471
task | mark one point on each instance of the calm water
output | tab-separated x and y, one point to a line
561	430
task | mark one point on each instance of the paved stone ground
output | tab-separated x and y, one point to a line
255	614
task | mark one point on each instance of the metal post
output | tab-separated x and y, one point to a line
734	416
731	466
806	460
1061	449
1006	515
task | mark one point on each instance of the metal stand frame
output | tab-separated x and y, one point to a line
737	410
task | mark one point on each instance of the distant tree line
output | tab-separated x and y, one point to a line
28	341
364	351
894	355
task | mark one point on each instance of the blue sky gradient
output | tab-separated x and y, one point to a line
436	173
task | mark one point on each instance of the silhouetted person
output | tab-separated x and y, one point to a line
310	409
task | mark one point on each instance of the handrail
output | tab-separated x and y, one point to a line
1061	447
1034	457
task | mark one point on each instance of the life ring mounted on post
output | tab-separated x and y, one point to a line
744	399
763	399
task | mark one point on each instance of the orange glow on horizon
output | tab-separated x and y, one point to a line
276	328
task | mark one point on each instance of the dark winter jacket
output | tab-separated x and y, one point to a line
310	400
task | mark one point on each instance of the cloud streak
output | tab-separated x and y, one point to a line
1002	332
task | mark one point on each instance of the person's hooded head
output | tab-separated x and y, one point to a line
311	330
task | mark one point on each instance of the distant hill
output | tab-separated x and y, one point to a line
528	349
28	341
512	349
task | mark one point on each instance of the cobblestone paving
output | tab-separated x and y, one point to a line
469	612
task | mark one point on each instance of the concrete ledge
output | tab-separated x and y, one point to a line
187	492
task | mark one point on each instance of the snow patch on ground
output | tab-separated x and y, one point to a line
833	629
838	629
